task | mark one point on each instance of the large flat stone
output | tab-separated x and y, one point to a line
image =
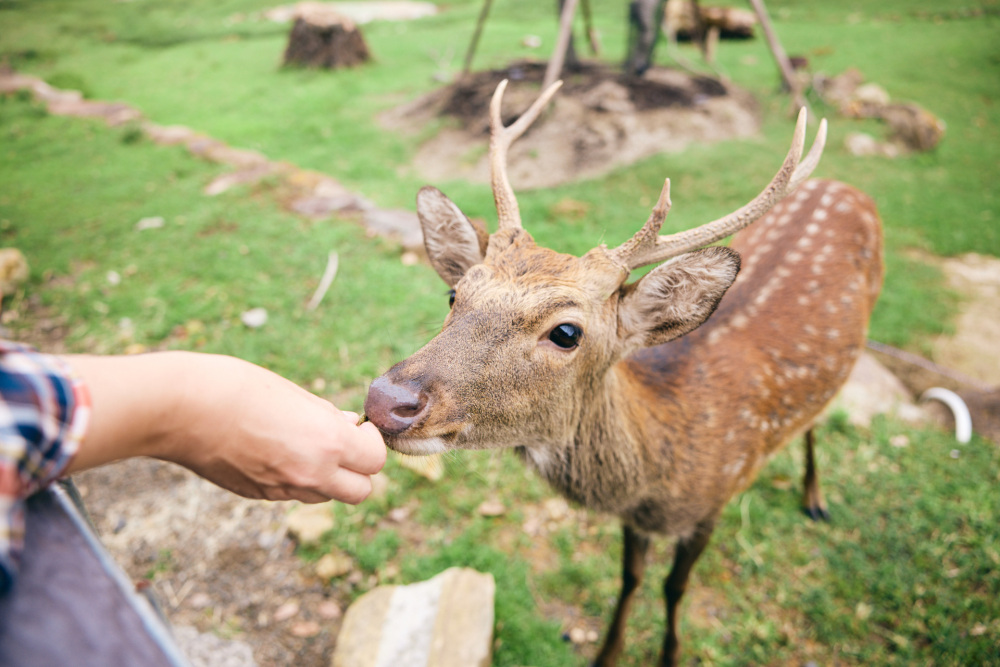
873	390
446	621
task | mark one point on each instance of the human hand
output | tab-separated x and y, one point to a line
236	424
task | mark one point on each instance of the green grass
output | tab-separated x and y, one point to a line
907	571
217	69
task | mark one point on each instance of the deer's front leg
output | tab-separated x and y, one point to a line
635	546
686	554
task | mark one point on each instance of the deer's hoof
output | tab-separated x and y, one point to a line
817	513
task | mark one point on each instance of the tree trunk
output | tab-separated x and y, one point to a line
325	40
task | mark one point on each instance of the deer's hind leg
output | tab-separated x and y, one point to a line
635	546
812	496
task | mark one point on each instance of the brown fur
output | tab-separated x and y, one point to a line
658	429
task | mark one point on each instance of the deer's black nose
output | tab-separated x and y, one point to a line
393	407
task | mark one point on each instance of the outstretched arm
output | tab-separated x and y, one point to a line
236	424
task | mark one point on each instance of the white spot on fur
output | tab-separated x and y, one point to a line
540	458
820	214
826	200
733	469
812	228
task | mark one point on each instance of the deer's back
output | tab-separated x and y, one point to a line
777	350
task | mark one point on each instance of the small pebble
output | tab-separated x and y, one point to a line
305	629
154	222
286	611
254	318
329	610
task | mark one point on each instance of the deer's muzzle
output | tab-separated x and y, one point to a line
394	407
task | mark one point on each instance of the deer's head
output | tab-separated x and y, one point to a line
532	332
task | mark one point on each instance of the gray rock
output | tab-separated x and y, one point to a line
204	649
446	621
403	225
873	390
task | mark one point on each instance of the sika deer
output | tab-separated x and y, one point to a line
579	370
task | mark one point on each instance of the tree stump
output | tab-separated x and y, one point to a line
325	39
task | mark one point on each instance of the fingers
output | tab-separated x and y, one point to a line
364	450
349	487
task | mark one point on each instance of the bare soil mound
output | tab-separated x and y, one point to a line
599	121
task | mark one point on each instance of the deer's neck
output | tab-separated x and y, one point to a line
604	462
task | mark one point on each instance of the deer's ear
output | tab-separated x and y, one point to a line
454	243
677	297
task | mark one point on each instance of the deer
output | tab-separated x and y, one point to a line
627	397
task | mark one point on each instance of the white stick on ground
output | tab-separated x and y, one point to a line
324	284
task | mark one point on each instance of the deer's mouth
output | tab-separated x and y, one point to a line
417	445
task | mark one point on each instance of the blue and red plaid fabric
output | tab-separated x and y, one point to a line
44	412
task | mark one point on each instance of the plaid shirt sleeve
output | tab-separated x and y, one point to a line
44	412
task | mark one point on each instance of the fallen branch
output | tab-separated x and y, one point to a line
324	284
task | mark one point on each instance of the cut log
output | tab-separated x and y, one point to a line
730	22
325	39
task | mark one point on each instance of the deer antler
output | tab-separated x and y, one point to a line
648	247
500	140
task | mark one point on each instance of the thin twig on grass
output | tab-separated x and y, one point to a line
324	284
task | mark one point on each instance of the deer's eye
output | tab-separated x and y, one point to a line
451	298
566	336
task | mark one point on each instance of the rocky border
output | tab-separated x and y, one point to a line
307	193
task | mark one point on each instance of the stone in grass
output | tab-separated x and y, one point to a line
13	271
254	318
446	621
334	564
307	523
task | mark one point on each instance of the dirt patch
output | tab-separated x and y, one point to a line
217	562
973	348
599	121
968	358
